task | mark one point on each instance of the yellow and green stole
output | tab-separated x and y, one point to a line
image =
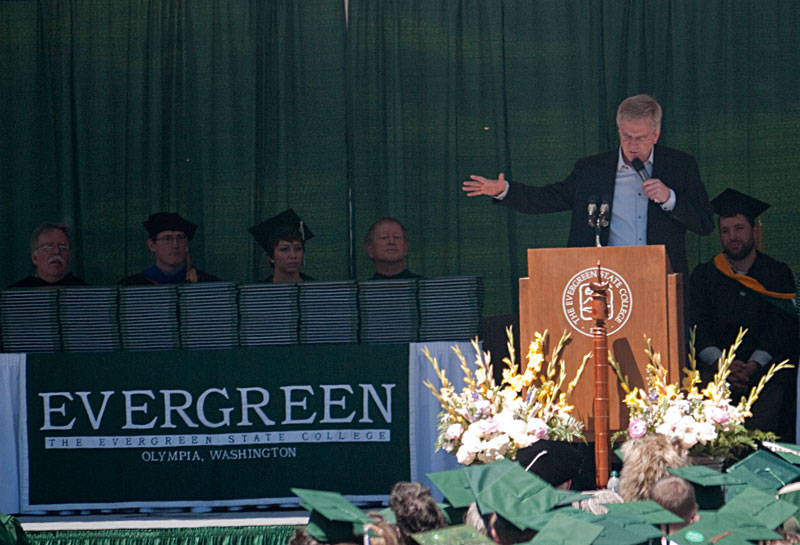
784	301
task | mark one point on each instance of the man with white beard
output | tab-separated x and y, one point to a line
51	254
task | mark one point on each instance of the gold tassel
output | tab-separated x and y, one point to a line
191	272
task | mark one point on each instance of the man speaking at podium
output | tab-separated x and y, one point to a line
649	194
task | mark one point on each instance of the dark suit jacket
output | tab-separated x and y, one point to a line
594	177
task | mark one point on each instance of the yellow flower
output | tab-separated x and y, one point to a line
633	400
691	379
514	381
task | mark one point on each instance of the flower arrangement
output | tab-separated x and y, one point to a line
705	421
485	422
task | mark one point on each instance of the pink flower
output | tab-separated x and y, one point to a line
537	428
719	415
637	428
487	427
453	432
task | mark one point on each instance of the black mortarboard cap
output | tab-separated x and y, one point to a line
731	202
168	221
269	231
554	461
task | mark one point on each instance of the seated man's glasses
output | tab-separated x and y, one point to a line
49	247
169	239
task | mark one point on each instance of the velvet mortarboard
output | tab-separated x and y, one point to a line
554	461
168	221
731	202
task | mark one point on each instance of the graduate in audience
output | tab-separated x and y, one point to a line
284	238
415	509
676	495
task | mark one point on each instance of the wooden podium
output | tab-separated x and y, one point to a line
644	298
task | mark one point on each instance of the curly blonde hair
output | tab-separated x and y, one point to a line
646	461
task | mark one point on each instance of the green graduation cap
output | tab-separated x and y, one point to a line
765	471
707	483
453	484
453	535
790	493
388	515
333	518
622	527
563	529
788	451
763	507
722	529
538	521
566	497
648	510
516	495
461	486
617	534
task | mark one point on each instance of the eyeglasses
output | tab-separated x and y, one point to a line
49	247
169	239
637	139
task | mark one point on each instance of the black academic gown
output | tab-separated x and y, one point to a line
405	274
720	306
36	282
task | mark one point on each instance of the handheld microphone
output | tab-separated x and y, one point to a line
640	170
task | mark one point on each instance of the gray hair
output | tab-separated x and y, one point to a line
385	219
640	107
46	227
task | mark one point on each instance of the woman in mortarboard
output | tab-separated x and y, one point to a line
284	238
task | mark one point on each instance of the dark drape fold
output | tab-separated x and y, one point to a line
229	112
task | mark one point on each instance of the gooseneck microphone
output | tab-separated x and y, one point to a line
591	211
603	217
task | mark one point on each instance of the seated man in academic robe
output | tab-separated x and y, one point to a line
387	247
169	237
744	288
51	254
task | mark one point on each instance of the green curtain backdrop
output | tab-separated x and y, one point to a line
229	112
226	112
